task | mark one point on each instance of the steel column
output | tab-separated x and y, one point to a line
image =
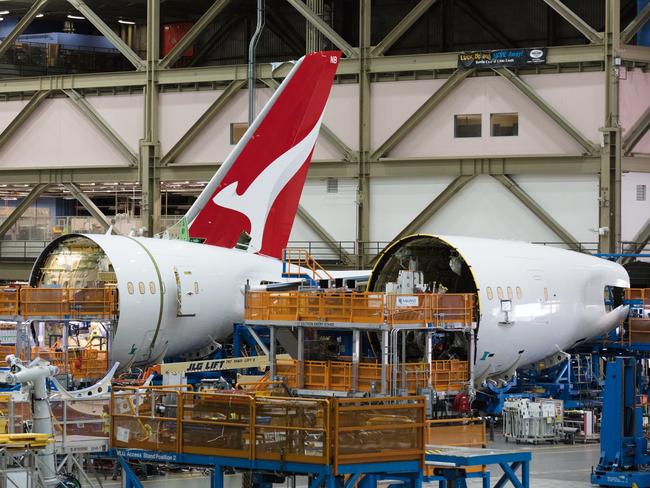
539	212
323	27
150	144
301	357
433	101
109	33
22	207
385	360
633	27
217	106
635	133
322	233
22	24
199	26
23	115
98	121
430	210
363	183
572	18
89	205
356	358
589	146
402	26
609	221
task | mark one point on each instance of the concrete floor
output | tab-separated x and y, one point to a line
553	466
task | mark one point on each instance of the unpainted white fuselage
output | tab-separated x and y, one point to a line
557	296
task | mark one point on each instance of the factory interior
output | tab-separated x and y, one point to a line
324	243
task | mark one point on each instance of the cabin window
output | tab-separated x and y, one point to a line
152	287
500	292
196	287
490	295
546	294
510	296
519	292
129	287
141	288
467	125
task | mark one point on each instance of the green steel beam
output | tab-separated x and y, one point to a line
213	110
23	115
365	133
347	153
635	54
22	207
436	204
323	27
199	26
109	33
572	18
149	163
589	146
322	234
570	55
636	132
387	167
104	127
402	26
448	86
633	27
539	212
22	24
89	205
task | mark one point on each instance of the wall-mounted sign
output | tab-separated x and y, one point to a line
502	58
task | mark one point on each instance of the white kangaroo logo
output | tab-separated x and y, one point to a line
256	202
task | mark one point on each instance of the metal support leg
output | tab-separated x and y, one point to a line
129	478
356	358
301	357
216	480
385	350
509	474
429	356
272	353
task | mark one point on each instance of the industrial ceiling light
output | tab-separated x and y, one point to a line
40	16
127	22
4	12
76	17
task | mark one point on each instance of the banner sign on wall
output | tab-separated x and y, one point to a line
501	58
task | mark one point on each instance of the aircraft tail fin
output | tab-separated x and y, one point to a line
255	193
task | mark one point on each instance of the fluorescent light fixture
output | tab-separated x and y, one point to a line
127	22
4	12
76	17
1	19
40	16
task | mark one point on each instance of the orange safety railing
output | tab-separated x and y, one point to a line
9	302
443	375
373	308
68	302
641	294
296	262
306	430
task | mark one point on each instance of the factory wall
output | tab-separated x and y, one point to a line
58	134
634	101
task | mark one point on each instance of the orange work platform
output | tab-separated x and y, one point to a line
318	431
362	308
63	303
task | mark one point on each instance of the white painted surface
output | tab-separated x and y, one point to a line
635	213
634	101
397	201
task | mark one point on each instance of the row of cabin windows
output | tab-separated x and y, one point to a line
152	288
501	125
502	296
